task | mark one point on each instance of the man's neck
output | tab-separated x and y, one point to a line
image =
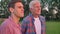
15	19
36	16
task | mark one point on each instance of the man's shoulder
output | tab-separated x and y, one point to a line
5	23
26	18
5	27
42	17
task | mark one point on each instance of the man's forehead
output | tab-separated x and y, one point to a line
37	3
18	4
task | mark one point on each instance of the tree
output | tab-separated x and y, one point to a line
4	9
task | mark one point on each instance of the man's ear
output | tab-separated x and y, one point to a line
11	9
30	9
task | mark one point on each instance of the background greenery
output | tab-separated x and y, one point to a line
52	27
52	4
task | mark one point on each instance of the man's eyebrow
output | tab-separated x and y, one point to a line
21	6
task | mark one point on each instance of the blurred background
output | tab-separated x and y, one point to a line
50	10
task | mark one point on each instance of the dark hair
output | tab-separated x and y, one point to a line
12	3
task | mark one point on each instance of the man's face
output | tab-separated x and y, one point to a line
36	9
18	9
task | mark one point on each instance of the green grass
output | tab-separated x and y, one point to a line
52	27
0	22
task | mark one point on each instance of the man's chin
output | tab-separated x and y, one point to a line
38	14
22	16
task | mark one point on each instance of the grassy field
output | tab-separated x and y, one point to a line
52	27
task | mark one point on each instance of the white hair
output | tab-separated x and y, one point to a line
32	3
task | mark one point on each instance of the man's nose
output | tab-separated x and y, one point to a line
39	8
22	9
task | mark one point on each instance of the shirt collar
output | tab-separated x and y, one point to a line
11	19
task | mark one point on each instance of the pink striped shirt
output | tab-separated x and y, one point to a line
9	27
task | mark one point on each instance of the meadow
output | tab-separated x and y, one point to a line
52	27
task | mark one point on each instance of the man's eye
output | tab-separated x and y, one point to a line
19	7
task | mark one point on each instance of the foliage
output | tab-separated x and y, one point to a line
51	5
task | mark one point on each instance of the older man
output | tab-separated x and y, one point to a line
34	23
11	25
